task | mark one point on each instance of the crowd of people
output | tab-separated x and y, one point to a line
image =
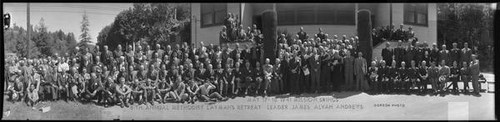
406	68
183	73
389	33
233	31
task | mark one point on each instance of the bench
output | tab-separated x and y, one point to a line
482	80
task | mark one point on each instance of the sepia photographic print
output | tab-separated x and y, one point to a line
248	61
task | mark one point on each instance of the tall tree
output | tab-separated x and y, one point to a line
43	39
464	22
155	23
85	36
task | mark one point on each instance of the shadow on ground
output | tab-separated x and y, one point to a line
339	95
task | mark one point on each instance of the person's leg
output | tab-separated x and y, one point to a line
121	100
435	85
168	97
246	86
204	98
313	82
280	85
258	86
221	87
216	95
466	84
425	84
475	84
455	84
357	83
145	96
55	93
266	86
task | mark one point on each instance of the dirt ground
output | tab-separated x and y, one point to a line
332	106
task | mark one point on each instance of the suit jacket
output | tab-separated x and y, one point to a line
466	54
444	55
315	64
387	54
474	70
455	56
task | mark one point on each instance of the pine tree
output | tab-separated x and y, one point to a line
85	36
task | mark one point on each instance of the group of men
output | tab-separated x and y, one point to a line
318	63
185	73
410	68
381	34
233	31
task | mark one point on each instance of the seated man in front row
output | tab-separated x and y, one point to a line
123	92
207	95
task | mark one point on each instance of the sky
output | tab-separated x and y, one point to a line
66	16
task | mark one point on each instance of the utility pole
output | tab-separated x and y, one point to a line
28	29
390	20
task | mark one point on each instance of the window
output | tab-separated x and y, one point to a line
213	14
308	13
415	14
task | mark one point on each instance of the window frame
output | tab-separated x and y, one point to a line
294	8
416	9
212	12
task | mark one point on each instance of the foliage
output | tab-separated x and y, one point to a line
467	22
42	43
151	22
464	22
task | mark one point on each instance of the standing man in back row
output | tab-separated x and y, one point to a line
301	34
466	54
387	53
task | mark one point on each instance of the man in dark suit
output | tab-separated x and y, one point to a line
315	63
410	53
434	54
301	34
399	53
455	54
387	53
